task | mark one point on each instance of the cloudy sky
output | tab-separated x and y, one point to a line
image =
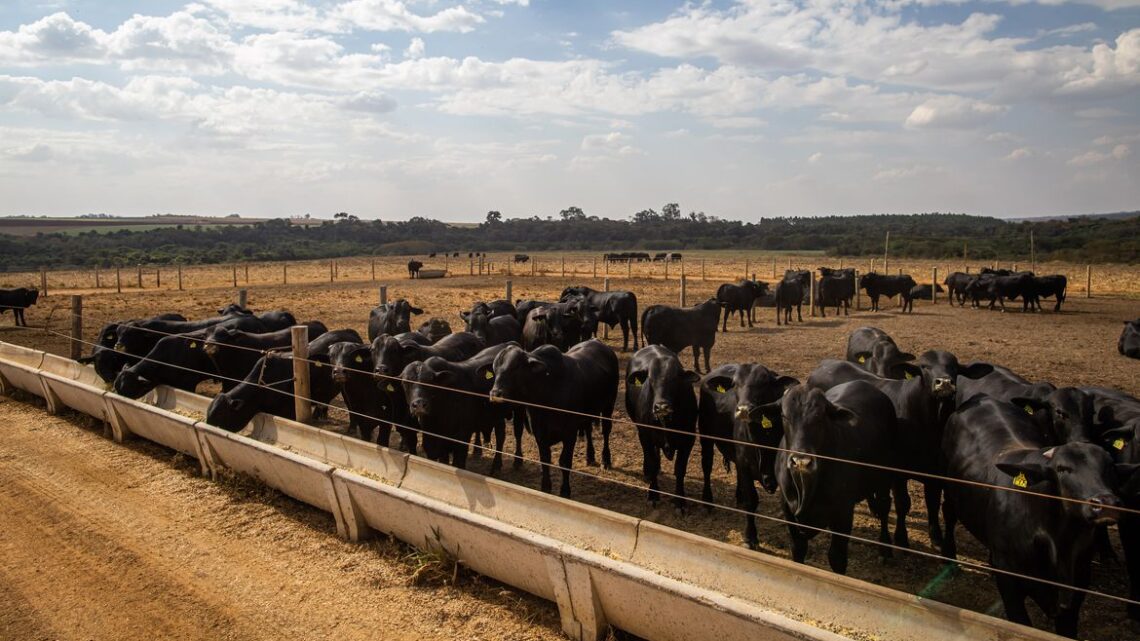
450	108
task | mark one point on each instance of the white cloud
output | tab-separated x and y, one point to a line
1119	152
952	112
1020	153
415	49
815	158
905	173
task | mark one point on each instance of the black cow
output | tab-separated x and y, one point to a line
835	287
391	318
659	392
922	401
613	308
850	422
108	362
524	306
876	352
492	331
998	288
179	361
269	388
136	338
390	355
583	379
878	285
730	396
352	370
790	291
678	328
988	442
925	292
494	309
1002	384
414	267
432	329
18	300
558	324
449	418
521	258
1129	343
740	299
234	352
956	284
1046	286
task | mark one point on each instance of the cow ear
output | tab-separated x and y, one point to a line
636	380
1124	472
1106	416
766	417
1118	438
1029	405
690	377
444	377
976	370
485	373
539	317
842	415
1025	467
908	371
719	384
862	357
464	314
905	357
787	381
537	366
415	310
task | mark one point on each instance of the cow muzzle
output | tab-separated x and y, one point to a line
496	395
339	377
744	412
801	463
662	411
944	387
119	347
1104	509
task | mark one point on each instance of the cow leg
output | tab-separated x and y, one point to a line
588	428
565	460
751	313
625	335
477	448
408	440
742	312
633	330
383	434
950	517
707	349
1130	540
650	463
1013	599
500	439
748	499
800	311
840	539
680	465
902	509
458	455
520	427
696	359
544	458
1103	545
366	430
880	504
932	493
724	314
708	454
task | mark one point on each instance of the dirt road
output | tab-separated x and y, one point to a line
101	541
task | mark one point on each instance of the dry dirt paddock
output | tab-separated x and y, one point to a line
1074	347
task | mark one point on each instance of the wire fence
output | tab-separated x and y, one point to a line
275	352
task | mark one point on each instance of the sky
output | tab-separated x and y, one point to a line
451	108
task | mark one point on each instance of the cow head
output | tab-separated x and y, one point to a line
131	385
517	372
656	376
348	358
756	391
1066	414
939	371
1082	472
810	423
230	413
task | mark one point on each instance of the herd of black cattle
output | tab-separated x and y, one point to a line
1062	459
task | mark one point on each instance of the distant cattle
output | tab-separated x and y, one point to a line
521	258
836	287
431	255
18	300
626	257
878	285
613	308
414	267
455	255
1000	287
925	292
956	283
679	328
434	329
1046	286
790	291
667	257
741	299
1129	343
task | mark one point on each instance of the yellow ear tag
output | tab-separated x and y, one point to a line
1029	410
766	423
1118	444
359	359
488	375
1020	480
862	359
638	382
909	376
317	365
720	389
193	345
390	388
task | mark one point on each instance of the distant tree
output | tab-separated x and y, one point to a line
494	217
572	213
646	216
671	211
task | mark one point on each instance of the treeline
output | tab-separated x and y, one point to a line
1081	239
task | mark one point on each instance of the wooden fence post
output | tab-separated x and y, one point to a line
96	278
157	278
470	265
629	268
746	267
302	407
247	273
284	273
383	294
510	292
564	267
1088	281
43	282
242	298
118	281
235	275
76	327
934	287
702	269
682	290
666	270
140	276
773	267
332	276
533	266
373	270
480	264
855	277
595	267
179	276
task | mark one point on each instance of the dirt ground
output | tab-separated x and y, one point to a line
1075	347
